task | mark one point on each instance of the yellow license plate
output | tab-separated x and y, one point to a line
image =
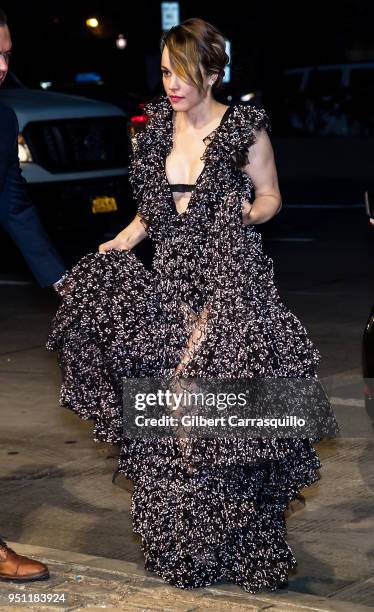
104	205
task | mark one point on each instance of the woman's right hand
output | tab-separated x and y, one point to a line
128	238
119	243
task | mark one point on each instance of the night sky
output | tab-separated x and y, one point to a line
51	41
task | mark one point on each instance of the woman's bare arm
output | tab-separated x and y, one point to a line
129	237
262	171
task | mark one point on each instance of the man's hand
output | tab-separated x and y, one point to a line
59	289
57	286
63	286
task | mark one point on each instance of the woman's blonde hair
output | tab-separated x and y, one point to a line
193	44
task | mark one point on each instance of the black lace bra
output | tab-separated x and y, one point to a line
182	187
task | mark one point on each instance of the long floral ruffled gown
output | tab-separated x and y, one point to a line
212	510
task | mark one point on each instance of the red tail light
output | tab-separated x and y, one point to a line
137	122
139	119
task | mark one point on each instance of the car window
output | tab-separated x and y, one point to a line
291	83
324	82
362	78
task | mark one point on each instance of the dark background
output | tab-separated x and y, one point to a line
52	42
320	176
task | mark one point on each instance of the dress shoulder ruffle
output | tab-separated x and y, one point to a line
239	133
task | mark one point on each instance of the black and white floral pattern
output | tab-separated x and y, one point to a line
211	510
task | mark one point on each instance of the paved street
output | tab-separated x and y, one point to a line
57	499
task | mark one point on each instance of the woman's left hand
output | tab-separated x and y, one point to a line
246	209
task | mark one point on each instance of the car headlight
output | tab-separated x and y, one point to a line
247	97
23	150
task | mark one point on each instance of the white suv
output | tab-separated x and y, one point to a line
74	154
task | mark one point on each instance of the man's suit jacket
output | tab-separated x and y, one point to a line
18	214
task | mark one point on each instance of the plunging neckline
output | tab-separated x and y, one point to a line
211	136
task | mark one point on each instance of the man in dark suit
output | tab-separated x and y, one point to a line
20	219
17	214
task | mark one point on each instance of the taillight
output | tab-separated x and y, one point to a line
137	122
139	119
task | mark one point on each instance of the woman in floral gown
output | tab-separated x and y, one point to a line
204	178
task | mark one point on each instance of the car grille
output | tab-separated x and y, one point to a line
72	145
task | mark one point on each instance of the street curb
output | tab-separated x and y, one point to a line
66	563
